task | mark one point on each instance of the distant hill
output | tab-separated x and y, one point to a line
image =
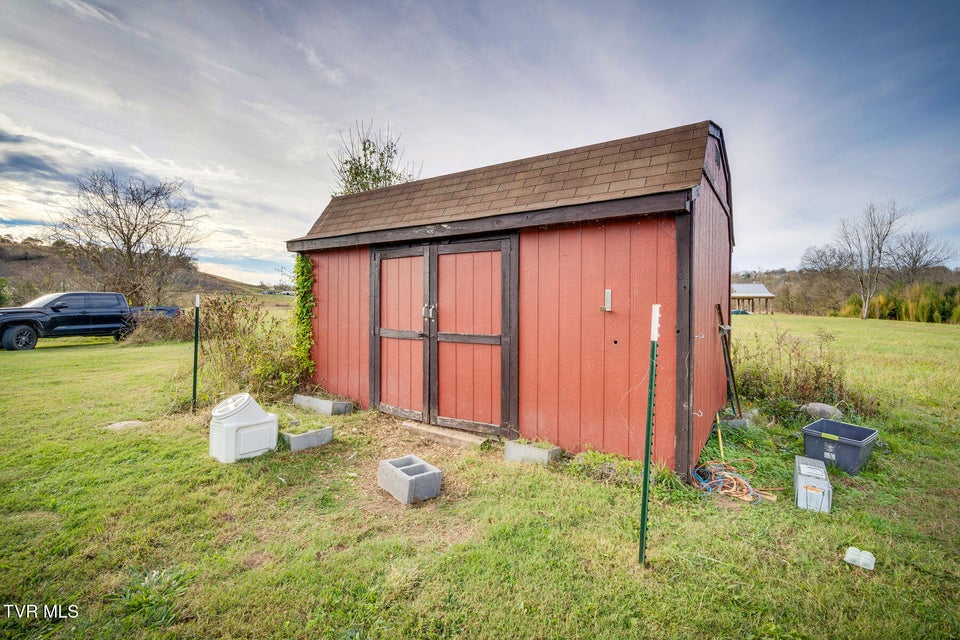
32	269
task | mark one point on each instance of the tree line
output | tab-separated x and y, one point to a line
874	268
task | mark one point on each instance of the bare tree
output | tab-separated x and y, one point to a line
818	288
368	160
825	259
128	235
916	252
866	241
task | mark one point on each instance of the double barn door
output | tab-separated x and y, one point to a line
444	334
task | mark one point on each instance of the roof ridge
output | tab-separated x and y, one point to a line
655	162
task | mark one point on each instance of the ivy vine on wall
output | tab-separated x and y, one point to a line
303	315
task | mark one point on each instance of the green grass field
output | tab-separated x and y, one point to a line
138	533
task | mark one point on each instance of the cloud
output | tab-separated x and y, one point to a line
244	102
20	222
335	76
91	11
18	165
10	138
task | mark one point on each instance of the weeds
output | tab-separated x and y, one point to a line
609	468
151	599
244	348
789	371
152	329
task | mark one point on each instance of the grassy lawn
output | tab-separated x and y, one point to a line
136	532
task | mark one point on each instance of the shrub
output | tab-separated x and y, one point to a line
244	348
159	328
5	298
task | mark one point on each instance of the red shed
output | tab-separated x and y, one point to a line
515	299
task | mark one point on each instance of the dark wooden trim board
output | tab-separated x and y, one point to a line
374	328
464	425
671	202
400	412
476	338
684	363
510	352
402	334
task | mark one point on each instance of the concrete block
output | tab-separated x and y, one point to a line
524	452
326	407
409	479
301	441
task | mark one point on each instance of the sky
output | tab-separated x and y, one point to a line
825	106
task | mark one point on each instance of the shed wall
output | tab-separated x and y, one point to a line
341	325
714	166
711	286
583	371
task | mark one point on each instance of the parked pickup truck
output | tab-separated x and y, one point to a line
77	313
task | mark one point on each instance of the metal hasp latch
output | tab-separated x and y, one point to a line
430	311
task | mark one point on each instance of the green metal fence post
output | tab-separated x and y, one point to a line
651	390
196	347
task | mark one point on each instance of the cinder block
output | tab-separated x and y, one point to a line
301	441
409	479
326	407
523	452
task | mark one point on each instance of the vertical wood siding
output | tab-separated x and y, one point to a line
711	286
341	322
469	303
713	164
469	382
468	293
401	360
583	371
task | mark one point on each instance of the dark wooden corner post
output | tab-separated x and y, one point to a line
685	308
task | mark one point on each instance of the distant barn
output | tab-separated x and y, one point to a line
753	297
515	299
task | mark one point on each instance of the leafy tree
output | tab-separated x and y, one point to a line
128	235
368	160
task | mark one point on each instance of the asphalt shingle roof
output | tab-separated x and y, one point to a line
658	162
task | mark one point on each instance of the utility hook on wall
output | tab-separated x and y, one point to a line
607	300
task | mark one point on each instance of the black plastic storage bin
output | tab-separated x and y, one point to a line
839	444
